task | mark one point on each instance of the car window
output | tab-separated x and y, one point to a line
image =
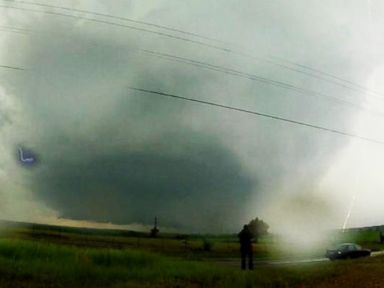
352	248
343	248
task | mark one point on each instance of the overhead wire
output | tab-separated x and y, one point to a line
13	29
172	29
357	87
254	77
256	113
259	79
206	65
330	78
12	67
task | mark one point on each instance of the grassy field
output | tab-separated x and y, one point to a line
185	246
41	257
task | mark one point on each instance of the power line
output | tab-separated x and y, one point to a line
227	50
236	73
253	77
119	25
244	75
13	31
336	80
256	78
265	115
118	18
228	71
12	67
15	28
233	72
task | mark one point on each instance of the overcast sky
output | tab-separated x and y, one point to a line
108	154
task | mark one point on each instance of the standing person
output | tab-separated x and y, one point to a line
245	238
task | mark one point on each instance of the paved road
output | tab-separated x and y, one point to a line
235	262
377	253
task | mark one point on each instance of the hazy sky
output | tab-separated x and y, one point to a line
109	154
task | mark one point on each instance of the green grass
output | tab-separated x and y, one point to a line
74	267
364	236
31	264
41	264
46	258
193	248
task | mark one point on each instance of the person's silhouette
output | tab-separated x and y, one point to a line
245	237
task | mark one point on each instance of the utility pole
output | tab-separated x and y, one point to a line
154	231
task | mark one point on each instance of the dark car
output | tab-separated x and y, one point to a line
347	251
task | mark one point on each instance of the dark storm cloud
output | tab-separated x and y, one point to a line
111	155
183	190
108	154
